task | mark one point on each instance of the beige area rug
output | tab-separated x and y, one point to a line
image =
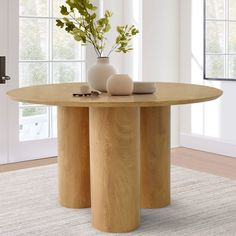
202	204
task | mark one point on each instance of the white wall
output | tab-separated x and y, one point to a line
161	48
115	6
117	19
208	126
133	15
156	49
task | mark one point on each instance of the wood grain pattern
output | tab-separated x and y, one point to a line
73	161
155	157
167	94
115	168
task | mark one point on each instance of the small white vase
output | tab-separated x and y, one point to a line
99	73
120	84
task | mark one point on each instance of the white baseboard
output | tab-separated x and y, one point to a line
175	145
208	144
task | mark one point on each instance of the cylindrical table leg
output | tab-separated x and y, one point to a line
115	168
73	161
155	157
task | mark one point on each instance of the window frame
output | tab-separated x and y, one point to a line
204	47
49	62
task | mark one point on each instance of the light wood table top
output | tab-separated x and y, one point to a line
167	94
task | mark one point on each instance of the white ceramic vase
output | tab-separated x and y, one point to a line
120	85
99	73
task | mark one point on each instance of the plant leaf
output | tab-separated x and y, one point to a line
59	23
64	10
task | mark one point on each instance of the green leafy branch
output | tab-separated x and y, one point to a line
88	29
125	34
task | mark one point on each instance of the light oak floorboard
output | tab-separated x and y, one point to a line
27	164
204	161
188	158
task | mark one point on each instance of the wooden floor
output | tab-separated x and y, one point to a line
27	164
205	162
188	158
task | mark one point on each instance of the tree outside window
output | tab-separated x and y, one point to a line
220	40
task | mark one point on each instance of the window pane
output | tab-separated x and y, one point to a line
54	124
232	9
34	123
232	37
83	72
215	9
41	40
232	67
66	72
33	74
215	37
215	66
56	7
33	7
64	45
33	39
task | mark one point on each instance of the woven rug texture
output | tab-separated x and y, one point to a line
202	204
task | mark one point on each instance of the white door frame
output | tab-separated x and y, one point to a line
3	87
11	149
14	149
29	150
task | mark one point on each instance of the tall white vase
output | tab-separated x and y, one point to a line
99	73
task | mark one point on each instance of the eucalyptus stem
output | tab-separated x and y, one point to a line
89	29
114	47
88	35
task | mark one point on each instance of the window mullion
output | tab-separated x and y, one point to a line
50	66
219	62
226	39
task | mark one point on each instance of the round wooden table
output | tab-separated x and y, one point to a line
114	151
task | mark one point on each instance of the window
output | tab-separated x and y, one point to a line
46	55
220	40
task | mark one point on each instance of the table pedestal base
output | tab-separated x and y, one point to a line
115	168
114	162
73	161
155	157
